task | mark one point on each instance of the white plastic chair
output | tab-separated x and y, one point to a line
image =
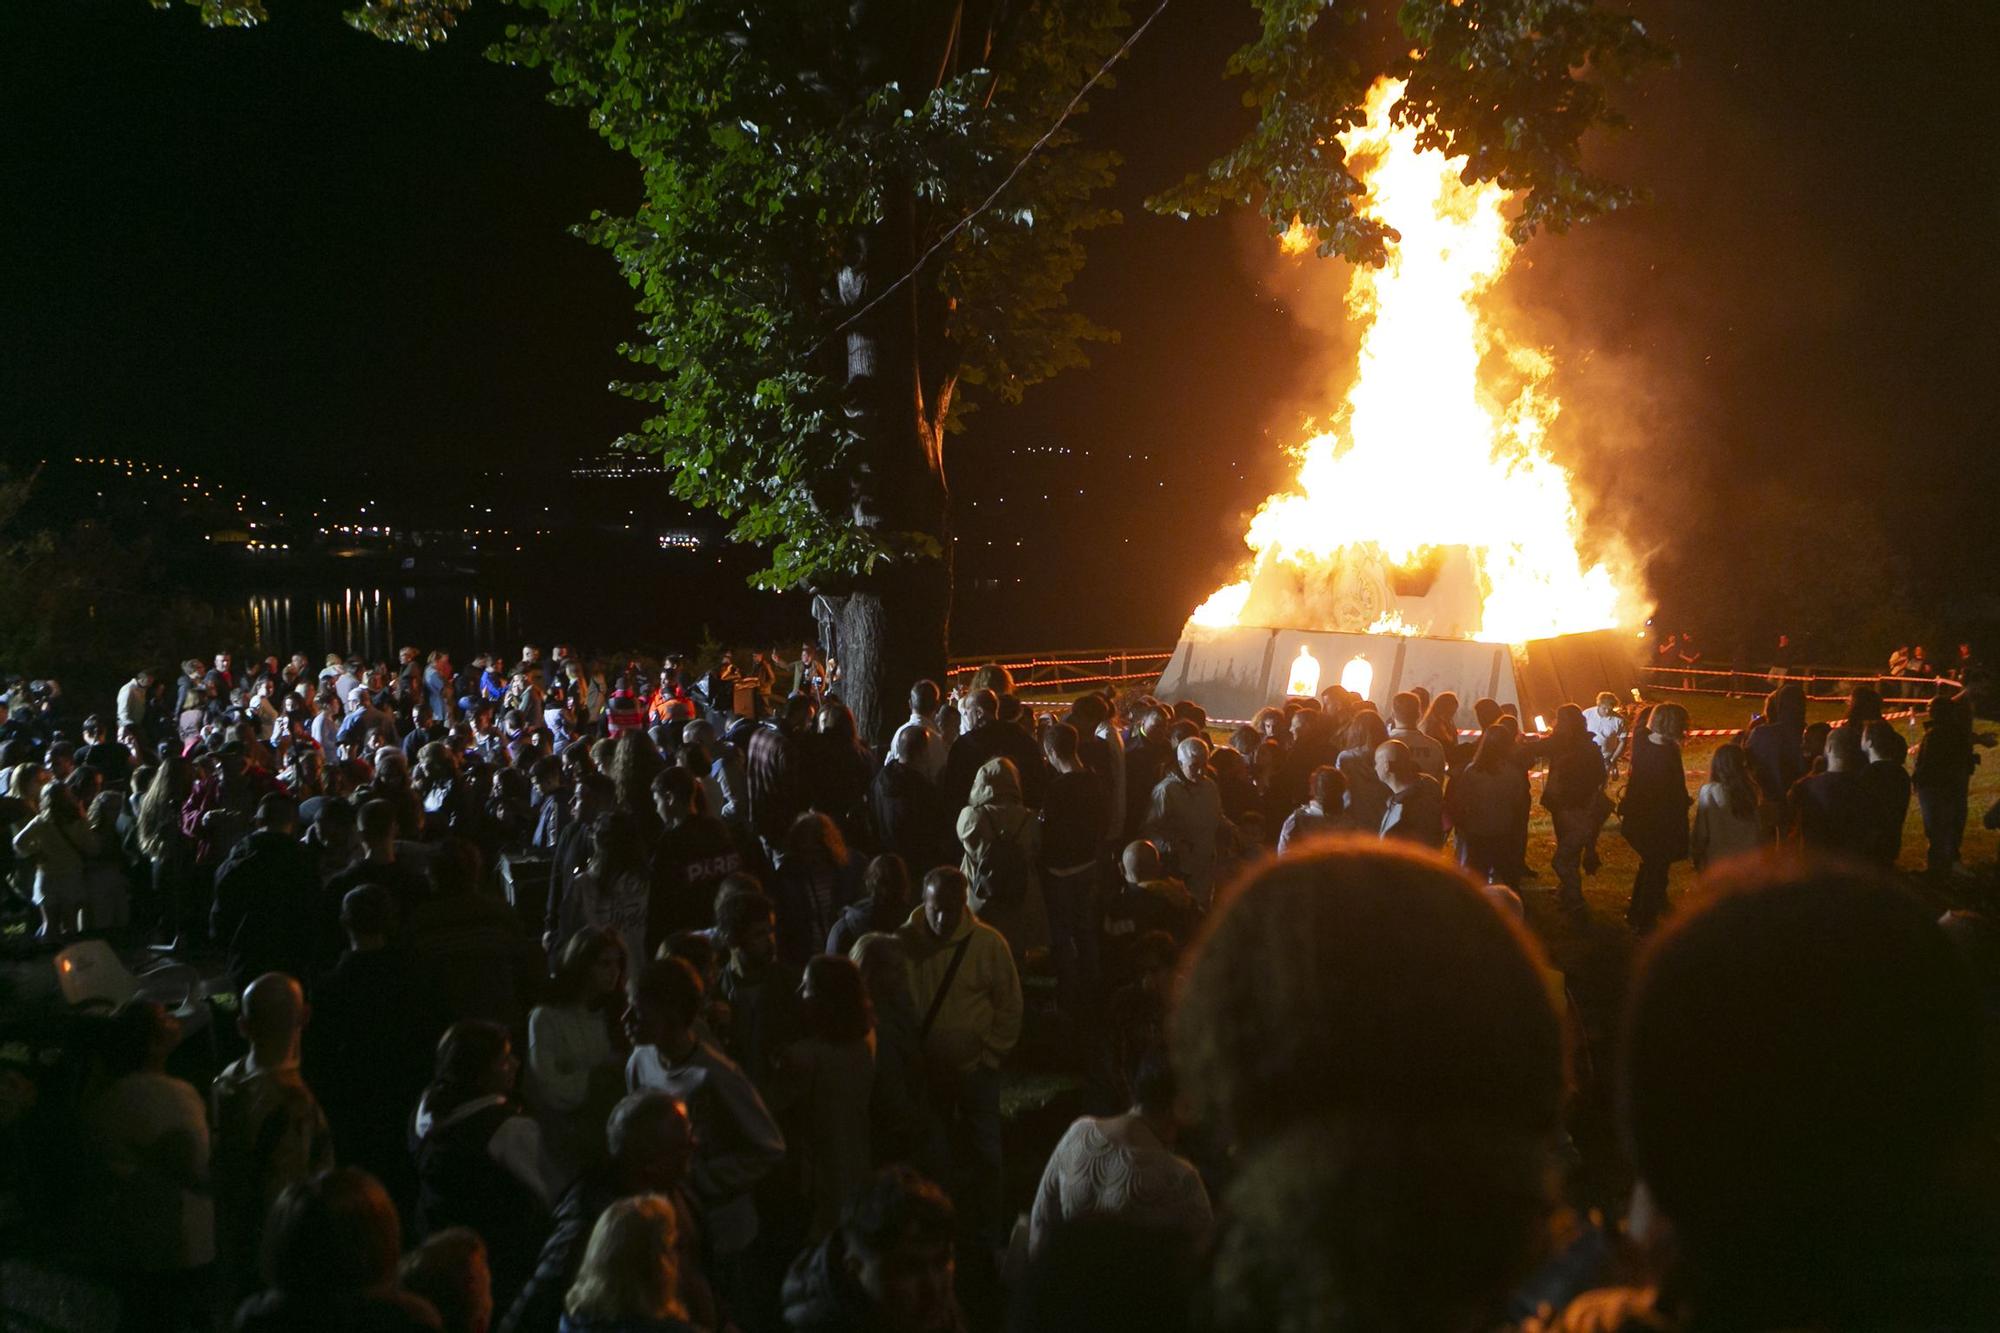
93	976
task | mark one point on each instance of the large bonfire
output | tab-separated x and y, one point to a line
1434	473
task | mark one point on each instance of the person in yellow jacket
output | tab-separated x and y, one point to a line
969	996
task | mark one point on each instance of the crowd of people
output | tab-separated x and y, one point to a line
593	997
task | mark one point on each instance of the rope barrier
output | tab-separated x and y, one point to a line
1103	659
1768	674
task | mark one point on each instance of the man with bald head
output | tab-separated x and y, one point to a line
268	1128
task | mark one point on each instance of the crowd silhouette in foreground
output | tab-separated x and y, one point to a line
551	995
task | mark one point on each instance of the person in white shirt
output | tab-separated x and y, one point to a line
132	700
574	1075
924	701
1405	716
1125	1167
737	1141
152	1218
1609	729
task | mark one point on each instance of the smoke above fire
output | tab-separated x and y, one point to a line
1428	503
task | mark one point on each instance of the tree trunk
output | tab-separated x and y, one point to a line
888	632
889	627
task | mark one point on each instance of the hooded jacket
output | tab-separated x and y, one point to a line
980	1019
993	815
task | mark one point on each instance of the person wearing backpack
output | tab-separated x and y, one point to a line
1002	841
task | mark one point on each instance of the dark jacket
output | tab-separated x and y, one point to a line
996	740
902	1125
1945	757
461	1185
821	1296
689	864
266	908
1488	802
837	777
1835	813
538	1309
1776	761
1146	762
367	1054
1889	808
1073	820
809	894
911	818
1576	775
405	884
1417	813
863	918
355	1312
476	958
1654	813
763	1016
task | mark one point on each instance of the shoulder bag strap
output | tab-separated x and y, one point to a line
944	988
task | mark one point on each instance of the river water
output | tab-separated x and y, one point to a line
598	614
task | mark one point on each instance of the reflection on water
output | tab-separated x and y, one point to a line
607	608
365	621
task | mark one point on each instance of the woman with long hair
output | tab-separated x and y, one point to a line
1440	723
824	1084
1725	810
612	889
630	1278
107	877
58	843
479	1156
1489	803
839	769
635	762
171	852
817	878
574	1070
21	783
1655	812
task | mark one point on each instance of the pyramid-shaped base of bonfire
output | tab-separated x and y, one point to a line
1234	671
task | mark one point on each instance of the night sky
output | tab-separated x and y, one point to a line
290	253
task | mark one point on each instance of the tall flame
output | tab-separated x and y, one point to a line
1432	477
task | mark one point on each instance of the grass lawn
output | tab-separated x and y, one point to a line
1608	890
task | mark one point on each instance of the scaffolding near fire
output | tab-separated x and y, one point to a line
1427	538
